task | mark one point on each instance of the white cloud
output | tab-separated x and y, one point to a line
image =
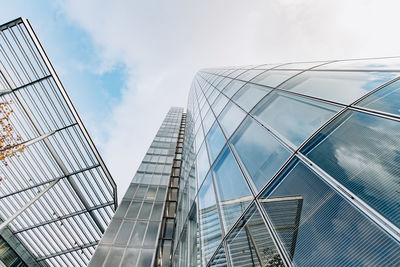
163	44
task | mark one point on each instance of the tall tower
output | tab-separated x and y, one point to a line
141	231
282	165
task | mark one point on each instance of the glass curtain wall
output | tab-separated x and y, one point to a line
292	164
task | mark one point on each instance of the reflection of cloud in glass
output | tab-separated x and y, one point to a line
363	155
341	87
294	117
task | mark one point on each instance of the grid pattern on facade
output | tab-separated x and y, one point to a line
304	153
60	172
133	234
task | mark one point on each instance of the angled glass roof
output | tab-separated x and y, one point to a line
59	171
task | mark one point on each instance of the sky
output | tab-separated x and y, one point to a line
125	63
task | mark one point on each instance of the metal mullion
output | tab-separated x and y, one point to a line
77	148
22	51
43	183
61	102
5	55
45	92
93	175
28	44
72	109
64	240
53	210
23	118
37	108
61	252
99	172
70	149
248	182
16	58
64	217
84	144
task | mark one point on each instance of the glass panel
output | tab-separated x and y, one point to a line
208	121
274	78
152	234
138	234
215	141
202	164
300	65
220	258
296	118
341	87
209	222
146	257
386	99
250	74
145	210
249	95
223	83
232	88
124	233
213	96
236	73
111	231
233	192
365	64
114	257
361	151
318	227
261	154
250	243
219	104
230	118
130	257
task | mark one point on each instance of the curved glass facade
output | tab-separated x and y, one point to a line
292	164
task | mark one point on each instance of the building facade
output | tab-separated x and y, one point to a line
56	194
292	164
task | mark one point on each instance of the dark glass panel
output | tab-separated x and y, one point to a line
233	192
361	151
318	227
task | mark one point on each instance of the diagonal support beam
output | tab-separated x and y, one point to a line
27	205
62	252
49	181
59	218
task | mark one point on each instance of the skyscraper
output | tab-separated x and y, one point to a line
56	194
282	164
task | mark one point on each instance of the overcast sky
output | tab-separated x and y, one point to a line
124	63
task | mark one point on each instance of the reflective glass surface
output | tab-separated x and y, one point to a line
230	118
202	164
209	222
386	99
250	74
208	121
223	83
233	192
296	118
261	154
365	64
250	243
318	227
219	104
249	95
232	88
215	141
274	78
361	151
341	87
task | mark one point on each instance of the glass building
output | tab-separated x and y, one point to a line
292	164
56	194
